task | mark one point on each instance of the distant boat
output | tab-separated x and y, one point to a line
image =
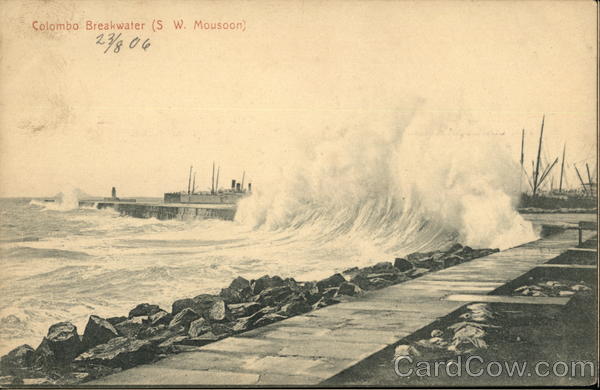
231	195
584	198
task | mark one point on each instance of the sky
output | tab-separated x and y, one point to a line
71	116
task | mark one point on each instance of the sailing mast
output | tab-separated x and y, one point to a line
522	147
537	164
587	167
217	181
190	180
243	177
194	184
212	183
581	180
562	168
547	172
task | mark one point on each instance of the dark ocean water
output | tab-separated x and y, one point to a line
63	263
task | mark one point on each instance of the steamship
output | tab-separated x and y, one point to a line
216	195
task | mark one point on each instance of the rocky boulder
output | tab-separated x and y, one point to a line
383	266
274	296
178	344
132	327
310	292
350	289
98	331
333	281
291	283
184	318
265	282
452	260
249	322
160	318
330	292
161	333
269	319
295	308
221	330
60	346
377	282
152	331
239	290
351	272
119	352
481	252
144	309
244	309
201	304
455	248
219	312
419	256
403	265
240	284
181	304
115	320
323	302
361	281
20	357
416	272
231	296
199	327
391	276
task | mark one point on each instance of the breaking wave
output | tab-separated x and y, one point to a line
397	187
67	200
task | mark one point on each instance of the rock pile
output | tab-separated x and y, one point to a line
480	326
149	333
552	288
468	335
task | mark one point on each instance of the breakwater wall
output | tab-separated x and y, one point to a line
167	211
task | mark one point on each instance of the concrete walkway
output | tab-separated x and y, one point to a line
307	349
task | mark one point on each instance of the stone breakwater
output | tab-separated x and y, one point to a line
149	333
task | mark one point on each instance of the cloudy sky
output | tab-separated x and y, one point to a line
73	116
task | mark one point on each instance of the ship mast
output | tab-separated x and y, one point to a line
587	167
562	168
243	177
212	185
217	181
189	180
581	180
537	164
194	184
547	172
522	147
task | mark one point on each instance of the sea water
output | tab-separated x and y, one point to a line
353	198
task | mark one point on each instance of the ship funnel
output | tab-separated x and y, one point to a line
114	192
238	187
249	187
233	184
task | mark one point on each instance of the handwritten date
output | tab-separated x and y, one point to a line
114	42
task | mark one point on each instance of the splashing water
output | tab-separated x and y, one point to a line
67	200
395	187
353	197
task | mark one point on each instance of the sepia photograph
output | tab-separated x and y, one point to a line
303	193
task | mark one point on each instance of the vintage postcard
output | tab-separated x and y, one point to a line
298	193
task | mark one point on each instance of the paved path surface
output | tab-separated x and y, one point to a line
310	348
